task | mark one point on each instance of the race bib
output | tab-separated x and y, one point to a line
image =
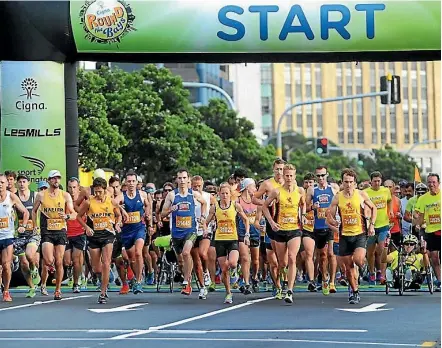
380	204
56	224
288	219
4	222
183	221
251	218
225	227
434	219
321	213
134	217
102	223
29	226
350	220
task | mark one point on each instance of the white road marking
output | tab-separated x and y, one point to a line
184	321
129	307
37	303
258	330
354	343
70	330
374	307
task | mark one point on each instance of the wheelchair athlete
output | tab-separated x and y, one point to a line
413	267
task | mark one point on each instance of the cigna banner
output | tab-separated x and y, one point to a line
247	26
32	119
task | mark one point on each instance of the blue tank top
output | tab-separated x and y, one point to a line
324	197
135	209
183	219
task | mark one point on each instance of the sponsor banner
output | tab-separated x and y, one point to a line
32	119
255	26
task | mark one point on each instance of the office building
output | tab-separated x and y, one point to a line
361	124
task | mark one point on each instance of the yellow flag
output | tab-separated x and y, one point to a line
417	176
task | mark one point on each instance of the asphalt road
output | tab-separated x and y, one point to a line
172	320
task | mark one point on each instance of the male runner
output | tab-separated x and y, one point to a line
139	209
428	209
9	201
289	198
12	180
74	253
27	243
381	198
350	203
395	230
181	204
308	237
102	214
319	199
86	192
56	208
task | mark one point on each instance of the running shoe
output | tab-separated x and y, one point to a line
35	276
207	280
332	288
372	279
102	299
311	287
57	295
212	287
150	279
44	291
289	296
343	281
31	293
255	285
7	296
203	294
186	290
76	289
325	288
124	289
138	288
247	290
228	299
278	295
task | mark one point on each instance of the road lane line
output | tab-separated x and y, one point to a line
269	340
184	321
259	330
37	303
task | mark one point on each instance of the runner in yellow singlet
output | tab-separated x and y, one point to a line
350	204
285	224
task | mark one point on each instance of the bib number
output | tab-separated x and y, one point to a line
4	222
434	219
55	224
134	217
184	222
29	226
350	221
321	213
102	224
225	227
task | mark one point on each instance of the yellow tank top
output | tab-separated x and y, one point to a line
50	208
350	211
310	217
274	183
287	209
226	223
101	215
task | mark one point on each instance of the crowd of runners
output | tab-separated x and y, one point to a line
249	234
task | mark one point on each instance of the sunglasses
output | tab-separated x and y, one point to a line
321	175
167	190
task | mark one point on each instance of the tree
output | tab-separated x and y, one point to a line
392	164
236	133
161	138
100	142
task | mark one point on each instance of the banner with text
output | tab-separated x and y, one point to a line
255	26
32	119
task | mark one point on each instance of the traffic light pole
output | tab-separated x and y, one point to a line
325	100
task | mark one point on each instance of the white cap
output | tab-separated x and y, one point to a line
246	182
99	173
53	174
139	179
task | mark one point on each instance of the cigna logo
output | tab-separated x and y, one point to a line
106	22
30	86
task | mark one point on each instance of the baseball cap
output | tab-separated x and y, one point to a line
99	173
42	184
149	189
22	176
53	174
403	182
246	182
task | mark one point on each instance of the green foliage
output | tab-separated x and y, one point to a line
100	142
236	133
392	164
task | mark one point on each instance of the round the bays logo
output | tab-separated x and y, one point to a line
106	22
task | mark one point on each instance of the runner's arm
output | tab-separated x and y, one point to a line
331	213
81	197
308	199
21	208
256	198
70	212
367	201
265	208
211	213
83	209
167	207
37	204
258	217
203	202
302	201
244	218
117	213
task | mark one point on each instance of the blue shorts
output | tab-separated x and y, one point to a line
4	243
380	235
336	248
128	239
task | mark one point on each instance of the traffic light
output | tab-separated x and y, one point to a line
322	146
395	89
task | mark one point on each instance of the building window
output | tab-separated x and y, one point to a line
415	119
299	121
350	116
406	138
383	117
266	105
298	92
297	74
427	164
373	82
393	137
383	137
307	74
360	136
341	136
288	94
287	74
349	90
309	114
374	137
351	138
266	74
415	136
308	92
319	118
424	125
